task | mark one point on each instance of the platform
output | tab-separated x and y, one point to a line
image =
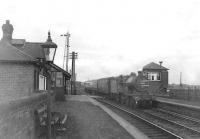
88	120
189	104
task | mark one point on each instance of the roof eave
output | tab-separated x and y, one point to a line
60	70
17	61
155	69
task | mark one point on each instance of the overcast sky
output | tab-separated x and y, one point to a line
114	37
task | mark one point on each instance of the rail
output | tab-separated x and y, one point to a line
166	133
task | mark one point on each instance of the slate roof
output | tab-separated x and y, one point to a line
34	49
9	52
18	41
18	50
154	66
60	69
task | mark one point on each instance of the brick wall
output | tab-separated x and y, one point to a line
16	80
18	101
17	119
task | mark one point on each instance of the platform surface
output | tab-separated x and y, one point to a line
190	104
88	121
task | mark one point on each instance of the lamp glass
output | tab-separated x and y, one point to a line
50	54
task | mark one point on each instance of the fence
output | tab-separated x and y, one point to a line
189	94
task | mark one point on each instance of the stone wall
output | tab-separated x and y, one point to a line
17	119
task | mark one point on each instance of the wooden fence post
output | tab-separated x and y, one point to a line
188	94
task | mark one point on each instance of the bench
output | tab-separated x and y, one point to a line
58	121
40	119
61	119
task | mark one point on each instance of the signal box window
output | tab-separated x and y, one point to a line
154	76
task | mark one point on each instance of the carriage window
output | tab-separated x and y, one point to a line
154	76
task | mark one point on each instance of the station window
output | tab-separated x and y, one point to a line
154	76
42	82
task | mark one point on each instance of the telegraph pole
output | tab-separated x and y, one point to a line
73	56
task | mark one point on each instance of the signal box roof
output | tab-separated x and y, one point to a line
154	66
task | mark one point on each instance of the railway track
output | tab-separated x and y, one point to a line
178	118
149	128
189	126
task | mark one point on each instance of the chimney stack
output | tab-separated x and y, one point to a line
160	63
7	31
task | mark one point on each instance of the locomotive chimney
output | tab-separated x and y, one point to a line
139	73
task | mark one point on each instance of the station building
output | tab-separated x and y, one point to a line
22	71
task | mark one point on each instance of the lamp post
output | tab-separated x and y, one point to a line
49	48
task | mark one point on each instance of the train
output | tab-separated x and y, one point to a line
137	91
132	89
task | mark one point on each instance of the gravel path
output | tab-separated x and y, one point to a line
86	121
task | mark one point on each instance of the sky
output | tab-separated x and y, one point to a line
114	37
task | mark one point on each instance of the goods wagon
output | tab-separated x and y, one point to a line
103	85
91	86
107	85
114	86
